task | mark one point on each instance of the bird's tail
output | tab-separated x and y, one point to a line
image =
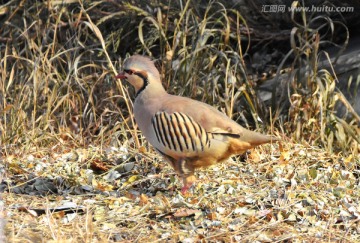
255	138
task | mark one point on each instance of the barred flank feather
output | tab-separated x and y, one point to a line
180	132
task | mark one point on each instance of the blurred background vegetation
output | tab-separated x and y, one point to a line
265	69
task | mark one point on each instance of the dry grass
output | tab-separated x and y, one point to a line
67	133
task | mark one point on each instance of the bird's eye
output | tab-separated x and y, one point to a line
129	71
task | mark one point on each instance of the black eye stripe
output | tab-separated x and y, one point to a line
129	71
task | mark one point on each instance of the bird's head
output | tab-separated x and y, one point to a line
139	71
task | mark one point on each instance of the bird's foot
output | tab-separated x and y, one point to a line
188	182
185	190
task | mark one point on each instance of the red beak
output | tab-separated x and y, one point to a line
121	76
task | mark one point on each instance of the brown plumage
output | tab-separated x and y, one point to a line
188	133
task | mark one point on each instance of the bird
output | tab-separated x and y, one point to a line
189	134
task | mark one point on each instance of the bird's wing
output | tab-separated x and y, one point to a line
212	120
179	133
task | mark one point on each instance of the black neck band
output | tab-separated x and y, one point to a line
146	82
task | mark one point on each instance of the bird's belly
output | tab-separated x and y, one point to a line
216	152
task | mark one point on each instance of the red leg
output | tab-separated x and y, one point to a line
188	181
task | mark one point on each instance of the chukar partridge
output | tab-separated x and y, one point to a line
189	134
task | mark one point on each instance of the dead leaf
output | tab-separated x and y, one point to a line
252	219
142	150
276	232
144	199
211	216
29	211
98	165
185	212
59	215
313	173
284	158
254	156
